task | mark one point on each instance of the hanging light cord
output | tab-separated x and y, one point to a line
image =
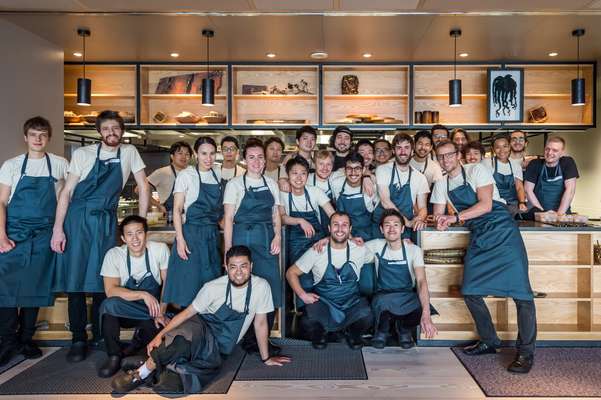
455	59
208	76
84	56
578	55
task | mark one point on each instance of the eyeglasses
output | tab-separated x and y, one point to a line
353	169
440	136
381	151
446	156
518	139
229	149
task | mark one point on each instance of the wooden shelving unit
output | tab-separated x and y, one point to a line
561	265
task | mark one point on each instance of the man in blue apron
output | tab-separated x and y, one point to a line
274	168
402	188
321	178
550	183
163	179
132	275
230	149
399	268
496	263
197	340
341	141
382	151
85	227
334	303
28	187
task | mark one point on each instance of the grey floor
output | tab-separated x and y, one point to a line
420	373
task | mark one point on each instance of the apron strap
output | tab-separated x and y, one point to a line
449	192
146	260
348	258
228	295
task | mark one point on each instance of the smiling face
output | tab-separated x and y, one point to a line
354	173
323	167
423	147
181	158
306	142
111	132
36	140
392	228
340	228
238	270
134	237
460	139
448	157
273	152
518	141
255	160
403	152
230	151
382	152
206	156
553	152
439	135
502	149
367	152
298	176
342	142
473	156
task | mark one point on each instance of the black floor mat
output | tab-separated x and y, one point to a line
16	360
336	362
54	375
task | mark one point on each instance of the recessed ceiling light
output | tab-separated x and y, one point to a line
77	54
319	54
463	54
174	55
367	55
270	55
553	54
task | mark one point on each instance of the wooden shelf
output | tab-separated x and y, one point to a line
180	96
459	296
446	95
443	266
105	95
365	96
275	96
559	264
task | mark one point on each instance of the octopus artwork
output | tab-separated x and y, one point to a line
504	95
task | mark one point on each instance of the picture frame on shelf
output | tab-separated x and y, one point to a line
505	94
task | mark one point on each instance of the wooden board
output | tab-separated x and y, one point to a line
472	110
433	80
279	77
273	108
373	80
335	110
113	79
174	106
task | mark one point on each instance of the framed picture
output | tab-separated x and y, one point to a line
505	95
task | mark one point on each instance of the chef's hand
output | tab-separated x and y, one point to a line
284	185
154	309
161	321
418	224
307	228
162	209
277	361
6	244
309	298
523	207
358	240
443	222
275	245
154	343
58	241
368	187
321	244
182	249
428	327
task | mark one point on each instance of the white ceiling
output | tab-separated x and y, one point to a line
532	30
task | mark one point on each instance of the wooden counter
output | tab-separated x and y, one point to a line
561	265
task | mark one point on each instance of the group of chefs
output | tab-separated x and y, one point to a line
350	216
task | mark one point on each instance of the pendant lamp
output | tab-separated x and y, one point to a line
208	84
455	84
84	86
578	92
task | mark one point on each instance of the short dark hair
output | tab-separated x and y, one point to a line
229	139
204	140
448	142
391	212
250	143
354	157
521	131
297	160
423	134
275	139
37	123
108	115
439	127
364	142
499	137
402	137
305	129
340	214
133	219
238	251
383	141
340	129
175	147
473	145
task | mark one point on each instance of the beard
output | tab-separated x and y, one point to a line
234	284
401	162
111	140
338	241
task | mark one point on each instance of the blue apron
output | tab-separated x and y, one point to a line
400	196
298	244
201	232
119	307
339	290
253	228
354	206
395	288
323	217
226	323
430	206
495	262
90	227
169	202
26	271
225	181
549	191
505	183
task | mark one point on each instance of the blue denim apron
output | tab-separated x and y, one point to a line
354	206
400	195
505	183
323	217
169	202
549	191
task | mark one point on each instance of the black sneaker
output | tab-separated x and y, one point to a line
354	341
378	341
126	382
478	349
318	341
30	350
77	352
7	351
110	367
521	365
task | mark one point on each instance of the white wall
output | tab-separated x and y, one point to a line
31	83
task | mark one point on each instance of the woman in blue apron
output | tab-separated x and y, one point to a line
26	271
511	187
195	257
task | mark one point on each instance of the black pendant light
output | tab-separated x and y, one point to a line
455	84
84	86
208	84
578	92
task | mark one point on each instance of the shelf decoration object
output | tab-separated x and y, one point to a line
505	94
188	83
455	84
538	115
208	84
84	85
578	92
349	84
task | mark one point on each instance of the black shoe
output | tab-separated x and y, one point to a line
31	350
319	341
77	352
478	349
168	382
354	341
379	340
133	362
126	382
110	367
406	340
521	365
7	351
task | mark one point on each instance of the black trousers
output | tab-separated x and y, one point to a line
312	327
111	329
18	324
249	341
526	313
406	322
78	315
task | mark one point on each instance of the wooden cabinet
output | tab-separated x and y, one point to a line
561	265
